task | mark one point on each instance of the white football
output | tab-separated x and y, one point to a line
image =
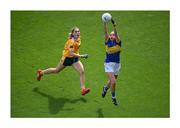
106	17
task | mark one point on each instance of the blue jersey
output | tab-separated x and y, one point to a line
112	51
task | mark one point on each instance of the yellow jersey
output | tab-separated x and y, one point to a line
71	45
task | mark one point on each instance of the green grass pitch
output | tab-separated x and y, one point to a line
37	41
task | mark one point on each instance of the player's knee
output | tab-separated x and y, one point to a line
113	81
81	72
56	70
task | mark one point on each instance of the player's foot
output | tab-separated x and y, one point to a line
114	101
39	74
84	91
104	91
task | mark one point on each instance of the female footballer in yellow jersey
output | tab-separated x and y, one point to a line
70	58
112	60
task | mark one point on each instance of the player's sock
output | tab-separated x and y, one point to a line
113	94
105	88
114	98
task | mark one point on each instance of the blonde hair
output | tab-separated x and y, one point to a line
72	31
112	32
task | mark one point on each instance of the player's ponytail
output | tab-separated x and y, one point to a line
70	35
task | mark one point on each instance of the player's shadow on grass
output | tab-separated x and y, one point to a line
57	104
100	113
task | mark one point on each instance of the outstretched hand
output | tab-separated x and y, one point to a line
84	56
113	22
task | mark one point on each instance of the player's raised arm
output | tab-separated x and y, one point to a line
115	31
106	36
112	60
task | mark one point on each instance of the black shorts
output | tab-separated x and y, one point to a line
69	61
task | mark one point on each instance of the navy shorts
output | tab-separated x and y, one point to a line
70	60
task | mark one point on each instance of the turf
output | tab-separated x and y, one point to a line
37	41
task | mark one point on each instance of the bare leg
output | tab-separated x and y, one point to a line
112	80
108	82
80	69
57	69
78	66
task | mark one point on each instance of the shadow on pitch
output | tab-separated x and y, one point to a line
57	104
100	113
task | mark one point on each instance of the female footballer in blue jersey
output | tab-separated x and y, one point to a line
112	62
